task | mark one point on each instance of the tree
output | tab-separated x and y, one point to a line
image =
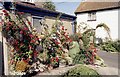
49	5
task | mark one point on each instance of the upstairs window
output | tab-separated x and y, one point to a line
28	1
92	16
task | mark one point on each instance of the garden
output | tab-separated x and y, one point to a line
31	52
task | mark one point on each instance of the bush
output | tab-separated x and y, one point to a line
75	37
116	45
80	71
111	46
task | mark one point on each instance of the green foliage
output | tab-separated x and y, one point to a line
81	71
74	37
111	46
49	5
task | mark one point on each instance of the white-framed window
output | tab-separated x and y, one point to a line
92	16
36	23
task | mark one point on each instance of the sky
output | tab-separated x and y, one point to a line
67	7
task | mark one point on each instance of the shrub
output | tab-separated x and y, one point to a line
111	46
80	71
74	37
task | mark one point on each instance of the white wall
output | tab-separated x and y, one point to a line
109	17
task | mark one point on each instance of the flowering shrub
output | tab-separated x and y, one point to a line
24	44
26	47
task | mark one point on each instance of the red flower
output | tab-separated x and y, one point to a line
21	32
6	14
57	42
4	11
64	33
16	42
37	38
16	48
7	28
32	41
29	23
20	12
25	61
35	54
57	59
62	27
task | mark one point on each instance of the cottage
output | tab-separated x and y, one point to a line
35	14
96	12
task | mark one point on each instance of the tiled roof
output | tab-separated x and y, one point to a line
46	11
38	11
94	5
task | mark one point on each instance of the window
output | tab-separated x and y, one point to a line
28	0
36	23
92	16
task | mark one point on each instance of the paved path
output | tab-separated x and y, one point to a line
58	71
111	61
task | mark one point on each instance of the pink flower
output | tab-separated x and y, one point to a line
9	23
52	59
25	28
16	42
30	46
21	32
56	42
31	36
95	50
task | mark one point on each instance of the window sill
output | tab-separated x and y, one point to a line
91	20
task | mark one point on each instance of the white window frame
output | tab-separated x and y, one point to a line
92	16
